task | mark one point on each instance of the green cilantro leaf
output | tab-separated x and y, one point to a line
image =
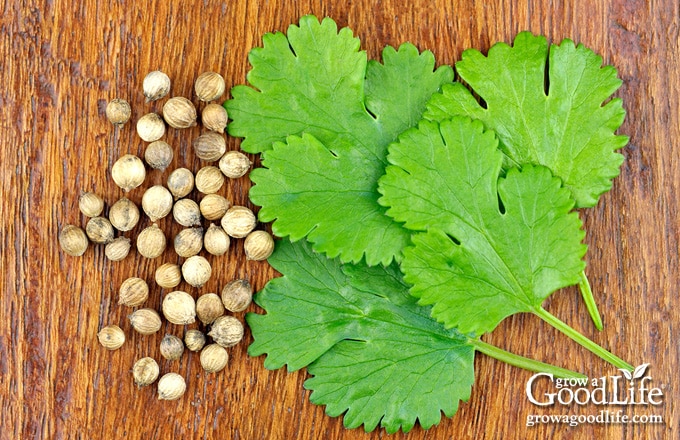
374	354
566	128
310	192
492	247
324	116
311	77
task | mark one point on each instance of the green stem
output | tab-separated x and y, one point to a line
582	340
588	298
522	362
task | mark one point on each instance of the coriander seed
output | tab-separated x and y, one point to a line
216	241
118	111
128	172
133	292
157	202
158	155
210	146
179	308
90	204
238	221
172	347
180	182
171	386
150	127
209	86
156	85
117	249
145	321
186	212
179	112
124	214
214	117
213	206
226	331
234	164
99	230
194	340
214	358
111	337
145	371
258	245
209	307
151	241
237	295
168	275
189	242
209	180
196	270
73	240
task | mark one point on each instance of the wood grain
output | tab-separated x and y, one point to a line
60	62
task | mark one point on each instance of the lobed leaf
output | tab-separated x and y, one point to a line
323	116
374	354
492	246
568	128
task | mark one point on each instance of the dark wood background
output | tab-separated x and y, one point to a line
60	62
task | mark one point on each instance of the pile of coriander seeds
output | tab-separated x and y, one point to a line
209	226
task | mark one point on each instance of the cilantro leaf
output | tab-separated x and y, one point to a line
566	128
311	77
324	116
374	354
492	247
309	192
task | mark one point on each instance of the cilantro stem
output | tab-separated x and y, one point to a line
589	299
522	362
582	340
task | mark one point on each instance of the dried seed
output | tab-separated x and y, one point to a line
168	276
111	337
128	172
237	295
179	308
226	331
145	321
73	240
258	245
151	242
171	386
124	214
90	204
133	292
118	249
145	371
238	221
180	182
150	127
210	146
172	347
234	164
214	358
196	270
99	230
209	307
213	206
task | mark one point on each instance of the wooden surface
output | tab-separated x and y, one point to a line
60	62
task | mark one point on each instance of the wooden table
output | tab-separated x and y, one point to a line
61	62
